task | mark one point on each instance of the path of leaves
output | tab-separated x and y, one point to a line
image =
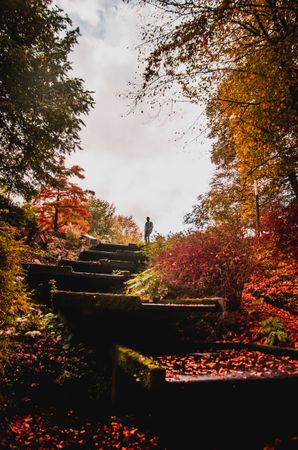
228	364
53	397
37	432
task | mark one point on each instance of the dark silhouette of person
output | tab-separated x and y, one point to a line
148	230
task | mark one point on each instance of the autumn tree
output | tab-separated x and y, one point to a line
63	204
41	103
109	226
239	58
101	218
125	230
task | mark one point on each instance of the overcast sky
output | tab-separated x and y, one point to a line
131	160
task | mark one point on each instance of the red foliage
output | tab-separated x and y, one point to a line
65	204
249	318
281	230
277	252
216	261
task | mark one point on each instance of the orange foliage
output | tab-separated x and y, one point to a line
66	203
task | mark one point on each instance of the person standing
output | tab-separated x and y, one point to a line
148	230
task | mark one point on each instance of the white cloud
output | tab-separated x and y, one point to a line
131	161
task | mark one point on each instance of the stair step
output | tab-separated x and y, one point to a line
107	247
119	255
100	266
96	301
39	278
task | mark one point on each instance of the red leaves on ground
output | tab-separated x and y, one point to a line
35	431
231	363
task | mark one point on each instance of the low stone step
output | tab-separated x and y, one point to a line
97	301
106	247
119	255
150	310
43	278
125	319
101	266
181	403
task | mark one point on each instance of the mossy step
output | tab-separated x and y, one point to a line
67	272
40	278
201	410
141	368
196	300
97	301
179	309
45	269
101	266
134	364
118	255
108	247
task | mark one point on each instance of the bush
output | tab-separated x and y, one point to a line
13	294
273	331
276	252
214	262
73	233
148	286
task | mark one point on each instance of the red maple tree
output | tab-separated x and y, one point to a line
64	204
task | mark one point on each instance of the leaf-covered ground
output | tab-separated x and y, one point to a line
56	394
39	432
229	363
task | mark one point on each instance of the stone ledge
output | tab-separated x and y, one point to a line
96	300
142	369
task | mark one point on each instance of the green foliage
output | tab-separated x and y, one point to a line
17	216
41	104
273	331
148	286
13	294
107	226
75	365
7	349
159	243
40	343
101	218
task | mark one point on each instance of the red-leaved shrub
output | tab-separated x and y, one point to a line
276	253
216	261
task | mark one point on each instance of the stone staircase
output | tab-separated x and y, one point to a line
102	269
90	293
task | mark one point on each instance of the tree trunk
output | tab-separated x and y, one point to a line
56	215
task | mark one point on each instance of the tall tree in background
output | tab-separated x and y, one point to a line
65	204
125	230
41	105
240	58
108	226
101	218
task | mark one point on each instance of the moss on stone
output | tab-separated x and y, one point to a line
141	368
96	300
